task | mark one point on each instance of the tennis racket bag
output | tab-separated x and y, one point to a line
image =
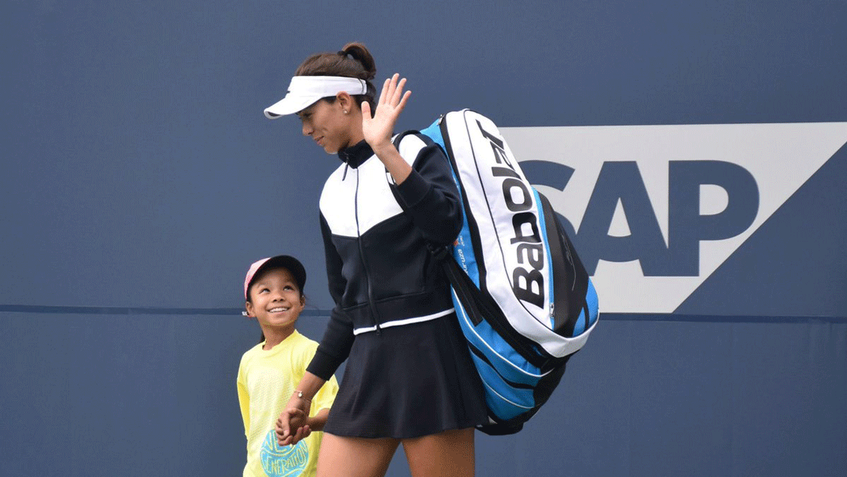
524	300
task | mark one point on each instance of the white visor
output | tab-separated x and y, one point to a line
306	90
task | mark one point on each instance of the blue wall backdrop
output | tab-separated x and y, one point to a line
139	179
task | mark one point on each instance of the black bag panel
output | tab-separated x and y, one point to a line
570	279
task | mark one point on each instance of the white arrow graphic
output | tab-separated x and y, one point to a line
781	158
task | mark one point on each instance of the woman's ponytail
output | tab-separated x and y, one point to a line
353	61
360	53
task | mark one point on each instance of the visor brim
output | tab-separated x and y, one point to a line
290	104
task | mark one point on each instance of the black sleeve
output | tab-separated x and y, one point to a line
334	346
338	337
429	195
333	264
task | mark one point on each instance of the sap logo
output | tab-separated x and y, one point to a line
655	210
527	249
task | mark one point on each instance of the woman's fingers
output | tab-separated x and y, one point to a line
398	91
384	94
282	426
403	101
392	100
302	433
284	422
392	90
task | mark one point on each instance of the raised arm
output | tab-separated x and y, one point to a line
379	128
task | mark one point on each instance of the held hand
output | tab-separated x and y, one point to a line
292	427
392	100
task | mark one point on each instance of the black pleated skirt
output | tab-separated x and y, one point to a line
408	381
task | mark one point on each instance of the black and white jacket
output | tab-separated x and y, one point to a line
381	273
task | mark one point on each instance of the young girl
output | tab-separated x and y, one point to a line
270	371
409	378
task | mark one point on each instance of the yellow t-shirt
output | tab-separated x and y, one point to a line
266	380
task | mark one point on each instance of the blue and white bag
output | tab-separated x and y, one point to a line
524	300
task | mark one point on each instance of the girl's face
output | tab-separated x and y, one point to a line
328	125
275	300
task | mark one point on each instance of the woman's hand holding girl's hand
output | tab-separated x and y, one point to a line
291	426
392	100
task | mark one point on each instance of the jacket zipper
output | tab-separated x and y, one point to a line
371	302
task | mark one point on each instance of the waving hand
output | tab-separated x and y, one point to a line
392	100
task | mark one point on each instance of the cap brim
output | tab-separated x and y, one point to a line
290	104
298	271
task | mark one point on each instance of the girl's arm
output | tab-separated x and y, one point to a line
316	423
243	398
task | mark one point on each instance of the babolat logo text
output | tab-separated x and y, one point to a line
655	210
528	250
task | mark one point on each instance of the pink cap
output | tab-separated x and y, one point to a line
280	261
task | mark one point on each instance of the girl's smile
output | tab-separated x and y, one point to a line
275	301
